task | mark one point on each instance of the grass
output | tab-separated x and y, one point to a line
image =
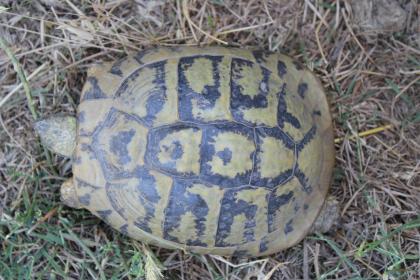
372	83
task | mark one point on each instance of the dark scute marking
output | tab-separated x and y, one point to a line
148	196
298	65
84	147
205	99
225	155
302	89
95	92
271	183
305	206
77	160
182	201
282	114
231	207
156	96
124	229
306	138
177	150
83	184
274	132
87	148
296	207
81	117
119	144
261	55
274	205
207	152
175	49
240	101
317	112
281	69
84	133
263	245
153	149
288	228
85	199
113	191
303	180
104	214
116	68
141	54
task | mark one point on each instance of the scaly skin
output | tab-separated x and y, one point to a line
58	133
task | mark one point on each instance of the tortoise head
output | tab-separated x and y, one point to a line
58	133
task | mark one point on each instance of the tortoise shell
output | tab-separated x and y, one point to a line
212	150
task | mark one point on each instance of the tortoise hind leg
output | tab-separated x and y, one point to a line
68	194
328	216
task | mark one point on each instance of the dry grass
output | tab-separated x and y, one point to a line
372	81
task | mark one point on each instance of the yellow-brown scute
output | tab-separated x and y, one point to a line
180	151
274	158
239	159
205	88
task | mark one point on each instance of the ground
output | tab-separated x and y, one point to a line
369	67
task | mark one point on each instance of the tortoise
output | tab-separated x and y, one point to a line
213	150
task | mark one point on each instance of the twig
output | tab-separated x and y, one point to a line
244	28
271	272
400	93
27	89
74	237
22	77
318	41
346	21
365	133
312	7
13	91
43	219
187	16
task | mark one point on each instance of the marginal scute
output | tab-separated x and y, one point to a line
209	150
319	105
